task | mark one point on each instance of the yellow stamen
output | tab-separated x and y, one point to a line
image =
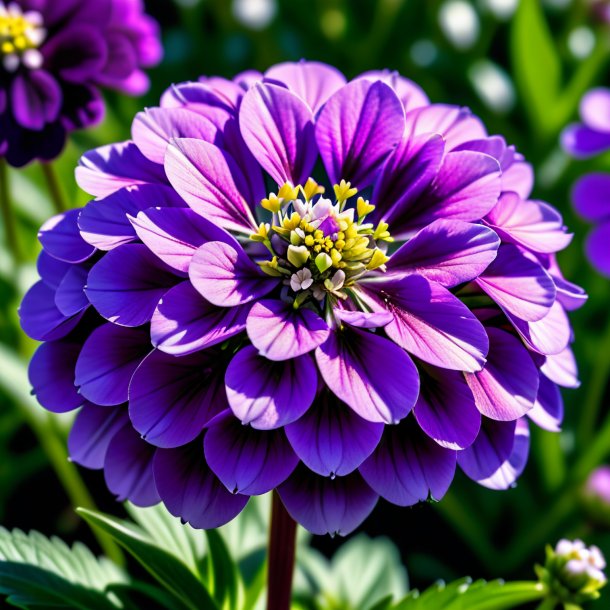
344	190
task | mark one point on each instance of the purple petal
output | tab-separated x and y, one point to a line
312	81
246	460
519	178
446	411
331	439
591	196
518	284
327	506
357	130
60	237
127	284
51	375
108	359
411	95
363	319
449	252
107	169
534	225
548	408
562	369
595	109
191	491
279	332
277	127
582	142
175	234
597	248
226	277
35	99
408	467
507	387
153	129
39	316
128	468
372	375
105	224
172	399
91	434
70	297
184	322
490	451
51	270
432	324
211	182
268	394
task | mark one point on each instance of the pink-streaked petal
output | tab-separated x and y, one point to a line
184	322
327	506
371	374
548	408
363	319
408	467
126	285
449	252
211	183
246	460
331	439
518	178
518	284
172	399
411	95
507	387
277	127
358	128
591	196
279	332
108	359
313	81
562	369
226	277
445	409
268	394
60	237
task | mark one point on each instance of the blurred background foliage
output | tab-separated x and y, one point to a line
522	67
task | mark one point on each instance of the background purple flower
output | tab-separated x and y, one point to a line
289	281
55	55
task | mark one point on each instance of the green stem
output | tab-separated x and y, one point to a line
8	217
54	188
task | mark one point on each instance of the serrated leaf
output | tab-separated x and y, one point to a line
536	65
166	568
223	579
37	571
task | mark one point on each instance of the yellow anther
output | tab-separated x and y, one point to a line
381	232
335	256
340	235
363	207
377	260
292	223
309	241
311	189
317	248
318	234
8	47
271	267
273	204
340	244
343	191
343	225
288	192
262	234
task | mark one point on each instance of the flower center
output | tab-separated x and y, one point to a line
20	36
320	246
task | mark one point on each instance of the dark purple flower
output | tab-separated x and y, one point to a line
289	281
54	57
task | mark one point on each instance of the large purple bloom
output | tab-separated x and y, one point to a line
289	281
54	56
591	193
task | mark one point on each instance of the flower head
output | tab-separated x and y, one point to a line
291	281
54	56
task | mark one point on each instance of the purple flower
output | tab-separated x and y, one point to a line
591	193
54	57
289	281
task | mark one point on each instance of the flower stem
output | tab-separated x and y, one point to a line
54	188
8	217
282	548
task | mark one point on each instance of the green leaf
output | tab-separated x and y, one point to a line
165	567
137	595
223	579
536	65
36	571
464	594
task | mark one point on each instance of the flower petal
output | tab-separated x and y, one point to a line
108	359
279	332
597	248
562	369
246	460
51	270
172	399
411	95
548	408
70	297
591	196
327	506
36	99
226	277
268	394
191	491
408	467
582	142
60	237
357	129
126	285
372	375
184	322
277	127
595	109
